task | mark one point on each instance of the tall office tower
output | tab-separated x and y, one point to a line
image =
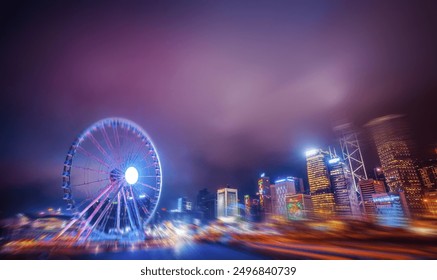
273	199
345	195
182	204
394	151
378	174
320	185
368	188
428	176
264	194
282	187
227	203
351	153
206	204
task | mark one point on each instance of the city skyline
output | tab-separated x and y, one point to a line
227	91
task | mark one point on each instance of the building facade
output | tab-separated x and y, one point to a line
264	194
394	151
282	187
367	189
227	203
322	195
345	195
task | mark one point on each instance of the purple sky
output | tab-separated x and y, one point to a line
226	89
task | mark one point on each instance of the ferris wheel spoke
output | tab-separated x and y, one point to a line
134	149
100	217
114	152
89	154
92	169
148	186
136	209
100	148
91	182
129	214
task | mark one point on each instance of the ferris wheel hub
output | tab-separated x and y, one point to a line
131	175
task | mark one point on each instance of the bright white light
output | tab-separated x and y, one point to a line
131	175
334	160
311	152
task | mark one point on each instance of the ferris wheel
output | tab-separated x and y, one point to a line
112	182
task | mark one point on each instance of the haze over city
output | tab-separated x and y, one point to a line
226	90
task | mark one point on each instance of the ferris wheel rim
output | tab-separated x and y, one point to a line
112	121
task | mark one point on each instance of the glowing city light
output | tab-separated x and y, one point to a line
311	152
334	160
131	175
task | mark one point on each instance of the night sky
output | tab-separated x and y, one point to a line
226	89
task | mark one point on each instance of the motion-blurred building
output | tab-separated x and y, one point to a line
394	151
184	205
428	176
391	209
227	203
283	186
206	204
298	206
368	188
322	195
264	194
345	195
351	152
430	200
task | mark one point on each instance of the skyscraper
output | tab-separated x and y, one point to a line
264	194
345	195
206	203
183	204
368	188
428	174
351	153
281	188
227	203
320	185
394	151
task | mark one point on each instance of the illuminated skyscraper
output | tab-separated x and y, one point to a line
183	204
227	203
394	151
206	204
264	194
345	195
351	153
320	185
368	188
428	176
281	188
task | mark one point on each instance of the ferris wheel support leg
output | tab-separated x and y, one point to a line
129	214
118	211
105	210
74	220
88	220
137	213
